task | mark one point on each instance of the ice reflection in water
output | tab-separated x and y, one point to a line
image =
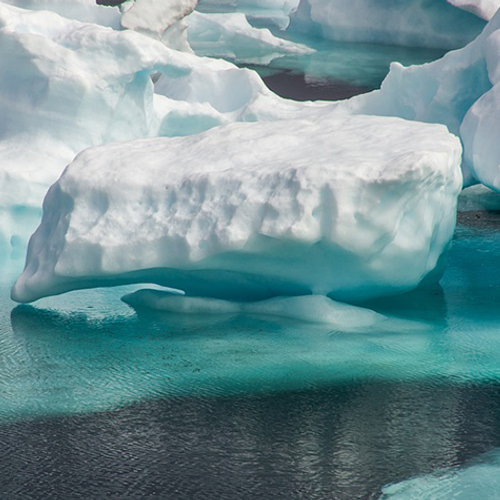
196	407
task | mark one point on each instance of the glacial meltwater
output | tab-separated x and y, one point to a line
103	401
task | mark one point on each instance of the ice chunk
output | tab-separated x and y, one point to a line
352	207
310	308
154	17
479	479
415	23
461	90
272	12
66	85
81	10
232	37
484	9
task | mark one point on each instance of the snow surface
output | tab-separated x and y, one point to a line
154	17
232	37
461	91
484	9
67	85
310	308
415	23
351	207
86	11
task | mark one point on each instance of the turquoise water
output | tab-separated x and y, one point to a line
336	70
269	407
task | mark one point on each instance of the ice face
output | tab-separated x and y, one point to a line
461	90
484	9
416	23
156	16
86	11
61	93
354	207
231	36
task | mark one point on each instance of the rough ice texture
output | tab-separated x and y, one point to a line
232	37
154	17
310	308
415	23
354	207
67	85
81	10
461	90
274	12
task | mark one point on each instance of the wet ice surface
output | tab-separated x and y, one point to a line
98	399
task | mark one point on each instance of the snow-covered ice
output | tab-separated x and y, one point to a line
67	85
352	207
231	36
415	23
461	90
86	11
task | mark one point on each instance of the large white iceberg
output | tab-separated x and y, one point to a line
414	23
353	207
67	85
461	90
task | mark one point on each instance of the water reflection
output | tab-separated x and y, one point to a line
344	442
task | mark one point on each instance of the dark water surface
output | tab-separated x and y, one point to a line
344	442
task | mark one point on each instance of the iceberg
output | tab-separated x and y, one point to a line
461	91
86	11
485	9
271	12
231	36
350	207
67	85
415	23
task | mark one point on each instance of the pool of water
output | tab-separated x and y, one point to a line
335	70
100	400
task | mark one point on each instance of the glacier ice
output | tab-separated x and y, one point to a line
231	36
484	9
86	11
67	85
351	207
461	90
415	23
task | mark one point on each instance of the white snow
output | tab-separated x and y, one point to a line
232	37
154	17
67	85
81	10
309	308
461	90
484	9
352	207
415	23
